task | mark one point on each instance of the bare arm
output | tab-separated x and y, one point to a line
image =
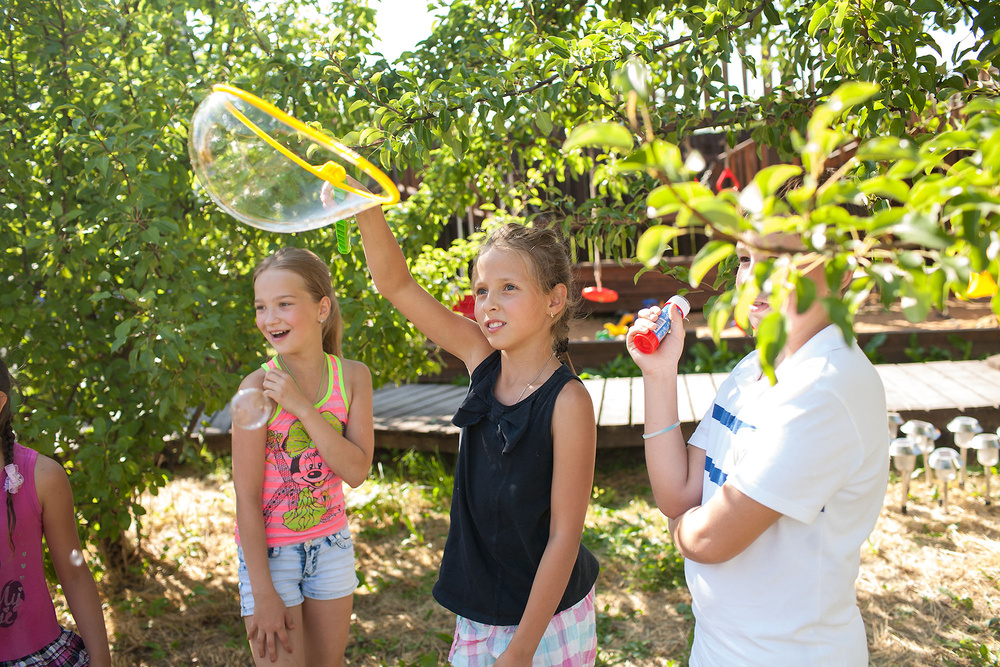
454	332
349	455
59	524
721	528
675	470
574	435
270	618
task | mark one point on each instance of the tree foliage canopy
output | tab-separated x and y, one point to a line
126	311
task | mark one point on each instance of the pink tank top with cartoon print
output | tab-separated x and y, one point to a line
303	498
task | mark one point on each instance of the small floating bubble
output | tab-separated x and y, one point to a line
250	409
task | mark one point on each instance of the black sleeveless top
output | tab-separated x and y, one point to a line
501	505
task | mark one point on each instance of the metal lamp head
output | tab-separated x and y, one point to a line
904	452
987	446
921	432
945	463
964	429
895	421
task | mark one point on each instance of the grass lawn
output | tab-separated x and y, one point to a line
928	587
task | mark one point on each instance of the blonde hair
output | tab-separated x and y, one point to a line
548	258
316	276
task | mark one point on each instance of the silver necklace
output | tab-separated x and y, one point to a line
536	377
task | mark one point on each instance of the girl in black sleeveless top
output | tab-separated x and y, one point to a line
513	569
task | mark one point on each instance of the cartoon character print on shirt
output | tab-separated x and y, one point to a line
304	476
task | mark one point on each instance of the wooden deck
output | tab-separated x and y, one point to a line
419	415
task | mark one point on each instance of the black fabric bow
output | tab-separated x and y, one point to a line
511	420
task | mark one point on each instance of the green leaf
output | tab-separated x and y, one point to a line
709	256
770	179
599	134
670	198
544	122
888	149
852	93
722	215
887	188
921	229
654	242
656	156
805	292
819	17
915	301
771	337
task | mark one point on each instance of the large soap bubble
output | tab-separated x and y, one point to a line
271	171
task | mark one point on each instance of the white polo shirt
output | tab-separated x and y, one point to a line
813	447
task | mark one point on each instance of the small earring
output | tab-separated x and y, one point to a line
552	316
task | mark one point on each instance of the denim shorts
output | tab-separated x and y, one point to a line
320	569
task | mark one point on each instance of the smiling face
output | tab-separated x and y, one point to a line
510	306
286	313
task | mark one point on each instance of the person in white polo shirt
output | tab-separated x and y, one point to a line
777	490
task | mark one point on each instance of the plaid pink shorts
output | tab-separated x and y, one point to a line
66	651
569	641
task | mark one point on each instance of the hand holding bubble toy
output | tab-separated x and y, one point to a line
647	341
258	164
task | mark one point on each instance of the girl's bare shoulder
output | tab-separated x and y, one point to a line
357	371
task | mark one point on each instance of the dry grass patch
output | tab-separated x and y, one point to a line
928	587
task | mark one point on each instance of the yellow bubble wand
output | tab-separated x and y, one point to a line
205	135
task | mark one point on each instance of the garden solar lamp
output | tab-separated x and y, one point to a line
895	421
964	429
987	446
904	453
923	434
944	461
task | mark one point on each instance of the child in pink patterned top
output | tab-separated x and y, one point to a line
296	558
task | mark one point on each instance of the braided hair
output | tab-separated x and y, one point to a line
548	257
7	443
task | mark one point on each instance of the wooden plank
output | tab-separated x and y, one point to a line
684	410
638	402
940	382
977	377
445	403
922	384
897	393
615	407
412	400
595	387
702	391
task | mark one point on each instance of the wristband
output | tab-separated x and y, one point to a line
647	436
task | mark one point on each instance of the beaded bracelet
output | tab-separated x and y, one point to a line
647	436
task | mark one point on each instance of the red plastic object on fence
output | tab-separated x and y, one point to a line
727	174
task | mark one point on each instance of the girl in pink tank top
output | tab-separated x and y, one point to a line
37	501
288	474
